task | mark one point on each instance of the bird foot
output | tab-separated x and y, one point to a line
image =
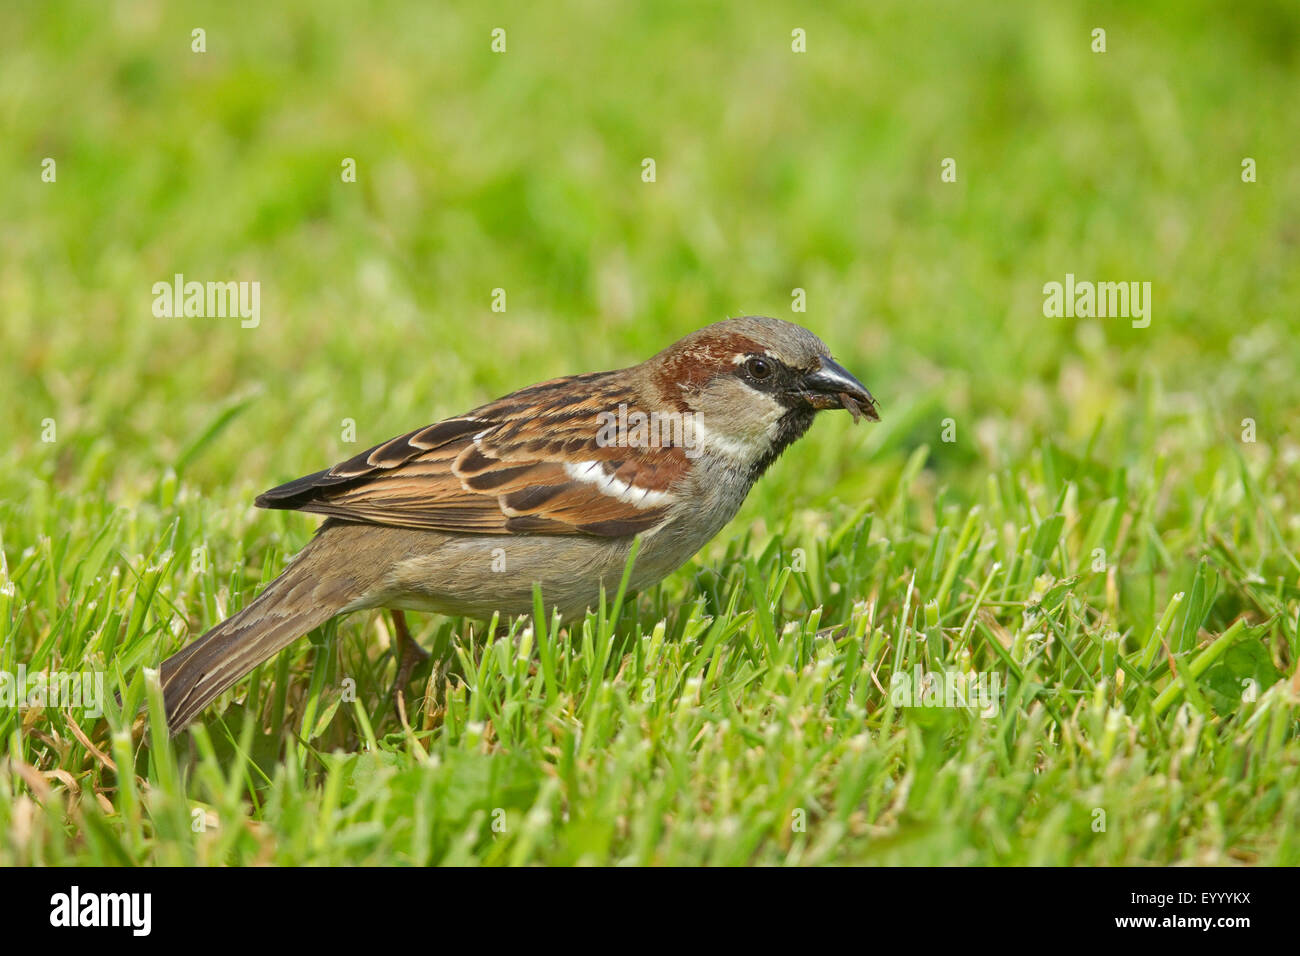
409	655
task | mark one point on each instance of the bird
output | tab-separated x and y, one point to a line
548	486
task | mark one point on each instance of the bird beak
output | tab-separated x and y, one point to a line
831	386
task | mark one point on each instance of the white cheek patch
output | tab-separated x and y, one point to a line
747	445
715	444
593	473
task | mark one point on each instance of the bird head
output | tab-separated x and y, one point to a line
755	384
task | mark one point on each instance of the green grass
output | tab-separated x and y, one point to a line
1098	537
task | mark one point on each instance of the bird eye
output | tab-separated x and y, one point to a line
759	367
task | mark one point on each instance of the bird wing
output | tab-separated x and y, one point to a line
532	462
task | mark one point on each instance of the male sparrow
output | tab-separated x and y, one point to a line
549	485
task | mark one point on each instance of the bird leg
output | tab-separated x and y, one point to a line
409	654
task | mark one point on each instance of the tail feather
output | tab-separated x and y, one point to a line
309	592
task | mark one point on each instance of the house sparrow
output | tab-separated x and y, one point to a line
550	484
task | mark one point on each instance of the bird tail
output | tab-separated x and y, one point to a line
312	589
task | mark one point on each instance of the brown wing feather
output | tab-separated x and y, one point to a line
507	467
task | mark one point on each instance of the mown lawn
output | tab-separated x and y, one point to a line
1096	519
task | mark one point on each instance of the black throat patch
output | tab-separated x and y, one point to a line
790	427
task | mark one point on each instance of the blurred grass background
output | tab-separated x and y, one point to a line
522	171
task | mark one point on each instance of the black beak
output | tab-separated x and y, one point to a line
831	386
